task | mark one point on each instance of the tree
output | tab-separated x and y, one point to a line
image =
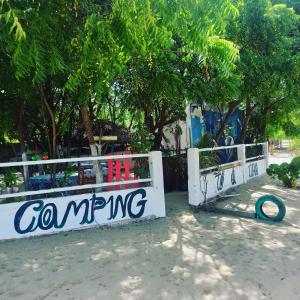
156	90
72	53
142	31
295	4
269	64
39	56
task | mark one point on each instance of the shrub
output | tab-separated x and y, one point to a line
10	178
287	173
208	158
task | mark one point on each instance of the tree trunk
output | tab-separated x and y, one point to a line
233	105
265	113
21	123
89	132
263	126
246	120
158	136
149	121
53	127
244	129
52	118
21	134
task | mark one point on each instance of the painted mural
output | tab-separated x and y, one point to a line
212	184
205	120
198	127
255	168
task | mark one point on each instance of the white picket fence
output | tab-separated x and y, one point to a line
73	212
207	183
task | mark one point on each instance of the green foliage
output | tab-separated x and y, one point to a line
40	53
287	173
67	174
79	53
157	90
141	140
295	164
9	16
295	4
143	61
295	146
254	151
205	142
208	158
10	178
269	66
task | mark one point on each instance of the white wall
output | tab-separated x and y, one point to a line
255	168
213	184
47	216
184	138
207	184
169	134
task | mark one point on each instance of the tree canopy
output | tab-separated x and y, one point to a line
65	64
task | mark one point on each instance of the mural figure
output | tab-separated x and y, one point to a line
204	191
233	181
220	180
253	169
197	124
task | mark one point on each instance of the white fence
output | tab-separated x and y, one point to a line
207	183
74	212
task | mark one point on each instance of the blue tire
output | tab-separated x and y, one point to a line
259	208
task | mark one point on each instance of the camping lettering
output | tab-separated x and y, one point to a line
46	216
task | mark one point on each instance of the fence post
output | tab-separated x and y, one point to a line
241	152
156	173
266	153
194	176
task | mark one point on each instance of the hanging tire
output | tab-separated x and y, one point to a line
277	201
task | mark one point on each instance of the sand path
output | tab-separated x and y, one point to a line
187	255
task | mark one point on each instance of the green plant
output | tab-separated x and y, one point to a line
45	155
67	174
295	146
2	186
141	140
10	178
208	158
287	173
205	142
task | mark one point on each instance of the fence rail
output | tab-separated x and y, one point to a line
253	145
74	187
222	166
255	157
218	148
68	160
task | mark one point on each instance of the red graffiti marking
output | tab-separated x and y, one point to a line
121	169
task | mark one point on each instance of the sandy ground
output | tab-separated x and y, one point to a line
187	255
